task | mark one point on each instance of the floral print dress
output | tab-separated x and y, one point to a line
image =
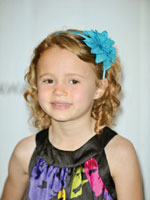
82	174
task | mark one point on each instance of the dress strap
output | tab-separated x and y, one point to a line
41	137
108	134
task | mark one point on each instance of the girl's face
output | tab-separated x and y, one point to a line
66	85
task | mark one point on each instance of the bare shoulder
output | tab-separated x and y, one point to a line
124	168
120	146
23	151
18	177
120	151
27	144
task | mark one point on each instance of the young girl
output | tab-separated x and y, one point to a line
73	92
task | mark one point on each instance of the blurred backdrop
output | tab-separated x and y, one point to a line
24	23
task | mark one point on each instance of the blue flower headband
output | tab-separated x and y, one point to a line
100	45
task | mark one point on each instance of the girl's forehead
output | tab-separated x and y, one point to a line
62	60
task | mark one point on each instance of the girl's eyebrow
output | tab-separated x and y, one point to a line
68	74
75	74
46	74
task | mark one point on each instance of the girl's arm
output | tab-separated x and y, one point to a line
18	178
124	169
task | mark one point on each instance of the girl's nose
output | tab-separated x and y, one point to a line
60	90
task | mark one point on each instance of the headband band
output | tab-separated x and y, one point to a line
101	46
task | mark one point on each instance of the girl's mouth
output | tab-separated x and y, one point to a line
61	105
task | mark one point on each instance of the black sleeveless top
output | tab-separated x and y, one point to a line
82	174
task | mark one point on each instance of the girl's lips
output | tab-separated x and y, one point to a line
61	105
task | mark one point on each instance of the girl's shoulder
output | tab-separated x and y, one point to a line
120	154
18	176
124	168
24	150
119	144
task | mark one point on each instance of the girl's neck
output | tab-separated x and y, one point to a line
71	135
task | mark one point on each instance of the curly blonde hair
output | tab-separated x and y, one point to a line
104	108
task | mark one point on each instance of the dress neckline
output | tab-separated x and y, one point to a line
79	148
62	158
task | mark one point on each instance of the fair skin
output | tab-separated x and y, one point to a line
66	92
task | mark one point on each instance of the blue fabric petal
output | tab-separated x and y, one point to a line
90	43
97	50
100	58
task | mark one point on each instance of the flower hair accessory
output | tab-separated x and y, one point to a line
101	46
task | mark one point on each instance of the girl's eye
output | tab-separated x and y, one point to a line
73	81
48	81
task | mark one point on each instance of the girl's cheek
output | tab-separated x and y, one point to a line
78	94
44	88
43	92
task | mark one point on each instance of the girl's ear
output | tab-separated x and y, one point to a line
101	87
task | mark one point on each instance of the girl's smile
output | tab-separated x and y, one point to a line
60	105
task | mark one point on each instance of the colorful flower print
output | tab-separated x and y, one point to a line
62	195
96	182
46	181
77	183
